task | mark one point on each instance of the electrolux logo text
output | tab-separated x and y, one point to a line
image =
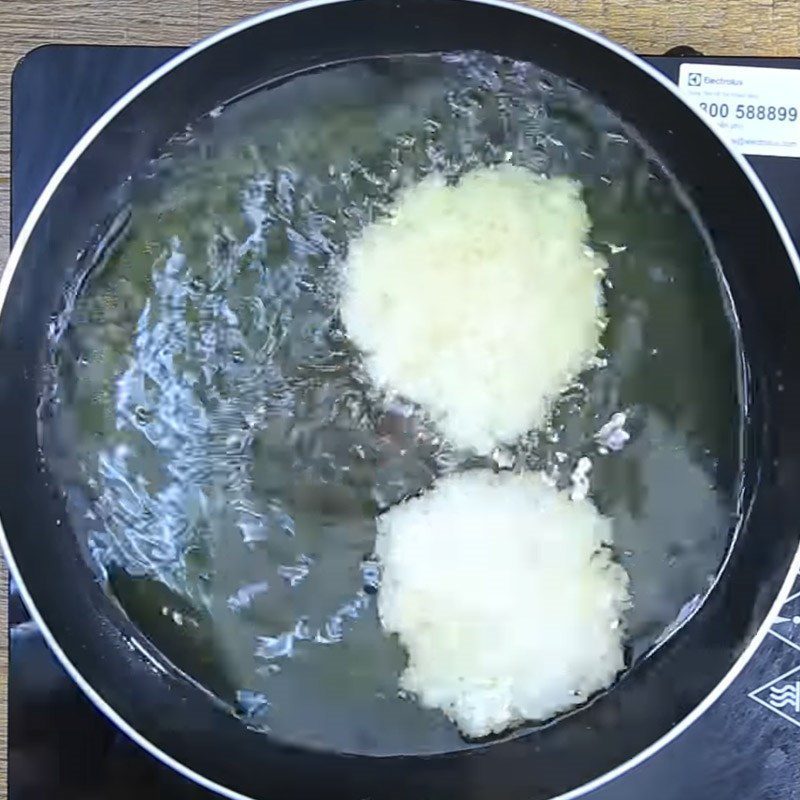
698	79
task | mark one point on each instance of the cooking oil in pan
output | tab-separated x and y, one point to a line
225	456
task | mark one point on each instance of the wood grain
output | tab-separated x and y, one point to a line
719	27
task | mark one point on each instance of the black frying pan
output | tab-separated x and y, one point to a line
176	720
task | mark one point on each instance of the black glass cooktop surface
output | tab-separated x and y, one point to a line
747	746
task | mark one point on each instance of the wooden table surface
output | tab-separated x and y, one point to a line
719	27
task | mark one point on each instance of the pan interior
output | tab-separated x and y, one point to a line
223	454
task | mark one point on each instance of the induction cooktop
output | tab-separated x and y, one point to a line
747	746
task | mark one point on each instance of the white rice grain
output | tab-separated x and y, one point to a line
504	594
480	302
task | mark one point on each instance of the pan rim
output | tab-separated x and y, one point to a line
96	129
